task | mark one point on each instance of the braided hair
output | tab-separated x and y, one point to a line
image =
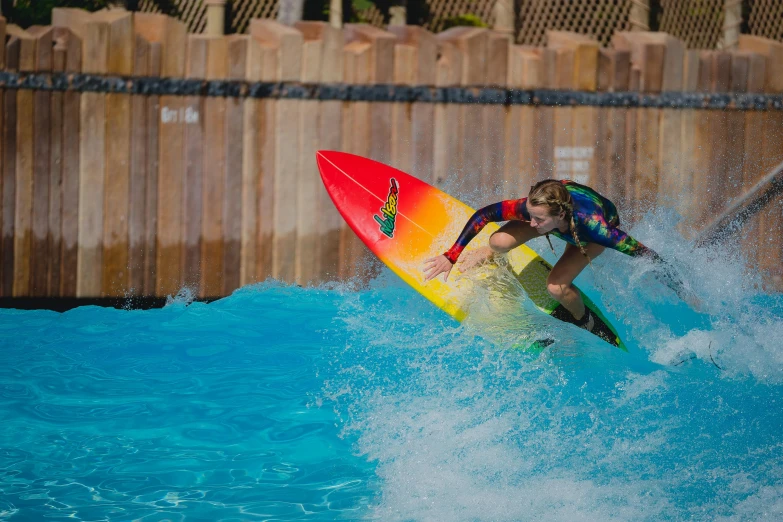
553	195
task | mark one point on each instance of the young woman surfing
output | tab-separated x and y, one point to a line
577	214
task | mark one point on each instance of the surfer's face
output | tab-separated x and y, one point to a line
541	219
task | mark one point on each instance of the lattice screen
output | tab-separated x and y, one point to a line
193	13
766	19
699	23
442	10
597	18
239	13
242	11
372	16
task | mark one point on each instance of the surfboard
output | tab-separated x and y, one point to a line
405	221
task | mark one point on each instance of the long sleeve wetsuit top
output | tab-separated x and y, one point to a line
595	218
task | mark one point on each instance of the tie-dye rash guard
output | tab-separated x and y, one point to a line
595	218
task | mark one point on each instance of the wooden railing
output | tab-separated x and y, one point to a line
137	158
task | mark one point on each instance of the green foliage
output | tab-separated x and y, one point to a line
418	12
26	13
469	20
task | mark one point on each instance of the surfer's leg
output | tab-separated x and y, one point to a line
561	278
511	235
506	238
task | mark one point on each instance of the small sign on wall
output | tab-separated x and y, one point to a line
180	115
574	163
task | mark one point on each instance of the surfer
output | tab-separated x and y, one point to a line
575	213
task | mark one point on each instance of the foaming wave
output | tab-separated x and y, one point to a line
732	327
463	426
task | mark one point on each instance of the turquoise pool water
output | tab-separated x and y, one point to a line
343	403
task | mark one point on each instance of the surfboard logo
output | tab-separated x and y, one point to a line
389	211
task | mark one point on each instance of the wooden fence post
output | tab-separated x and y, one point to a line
614	68
471	44
23	45
285	46
214	156
575	158
10	60
357	69
317	217
242	173
448	132
119	61
521	154
92	150
40	255
138	172
414	64
320	217
171	36
193	176
494	116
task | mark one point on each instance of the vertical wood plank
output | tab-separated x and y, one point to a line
545	120
563	130
151	202
55	225
40	254
194	174
703	140
735	126
71	162
472	45
752	161
402	115
3	242
357	68
9	172
613	74
329	132
138	173
171	141
119	61
25	152
448	131
381	72
247	60
688	160
286	43
308	218
212	247
494	116
266	184
576	159
422	114
94	34
232	189
521	158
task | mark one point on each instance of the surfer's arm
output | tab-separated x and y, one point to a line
619	240
623	242
501	211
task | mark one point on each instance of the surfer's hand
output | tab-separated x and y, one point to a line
435	266
669	276
475	258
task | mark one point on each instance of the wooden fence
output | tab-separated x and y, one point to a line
112	194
